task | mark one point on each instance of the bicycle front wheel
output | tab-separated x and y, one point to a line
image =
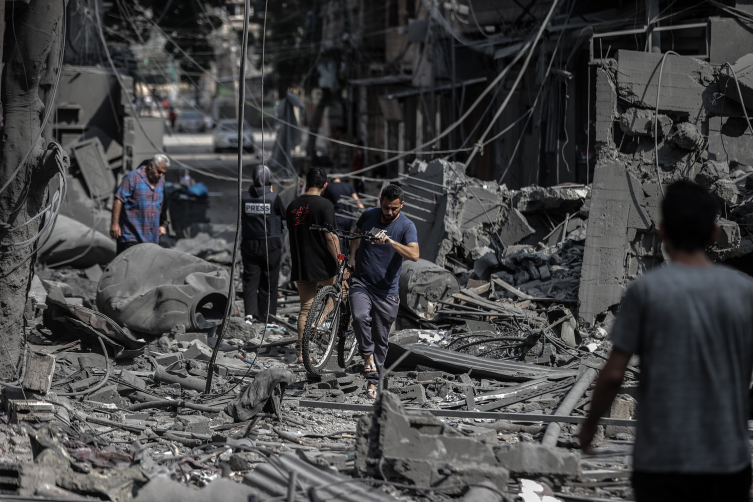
320	331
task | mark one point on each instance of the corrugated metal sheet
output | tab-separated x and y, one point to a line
456	362
273	477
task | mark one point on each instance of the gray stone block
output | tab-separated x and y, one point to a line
190	337
416	392
515	228
108	395
199	351
525	459
39	371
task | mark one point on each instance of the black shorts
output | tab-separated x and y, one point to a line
667	487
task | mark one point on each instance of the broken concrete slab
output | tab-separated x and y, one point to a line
423	285
533	459
743	69
514	228
623	407
420	449
640	122
190	337
686	135
684	83
729	235
711	172
39	371
728	192
107	394
198	351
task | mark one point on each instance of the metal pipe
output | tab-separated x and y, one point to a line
567	405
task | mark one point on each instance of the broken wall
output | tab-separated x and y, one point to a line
699	134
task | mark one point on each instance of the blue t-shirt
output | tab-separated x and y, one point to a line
378	265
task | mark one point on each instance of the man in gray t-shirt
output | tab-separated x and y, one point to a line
691	323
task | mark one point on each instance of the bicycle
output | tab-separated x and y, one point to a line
329	317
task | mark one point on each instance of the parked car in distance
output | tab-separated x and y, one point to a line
226	136
191	121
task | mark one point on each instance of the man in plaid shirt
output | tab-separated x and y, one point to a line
137	209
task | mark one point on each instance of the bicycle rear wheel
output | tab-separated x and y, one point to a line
346	342
320	331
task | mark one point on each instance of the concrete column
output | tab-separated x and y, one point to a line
654	38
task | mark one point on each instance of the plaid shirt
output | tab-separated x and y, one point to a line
142	206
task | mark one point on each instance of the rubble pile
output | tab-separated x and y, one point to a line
531	238
698	134
487	347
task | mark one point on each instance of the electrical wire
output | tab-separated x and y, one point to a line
236	244
521	72
264	191
656	121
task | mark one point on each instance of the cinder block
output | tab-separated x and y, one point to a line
39	371
190	337
415	392
199	351
108	394
537	459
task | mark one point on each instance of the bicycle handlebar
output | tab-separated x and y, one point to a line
343	234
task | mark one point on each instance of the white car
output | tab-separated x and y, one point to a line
225	136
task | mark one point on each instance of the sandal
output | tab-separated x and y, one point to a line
369	367
371	391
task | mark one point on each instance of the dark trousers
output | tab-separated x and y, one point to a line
343	224
260	287
661	487
373	316
121	246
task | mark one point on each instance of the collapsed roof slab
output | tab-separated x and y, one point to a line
687	84
743	69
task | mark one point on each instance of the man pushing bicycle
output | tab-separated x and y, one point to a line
373	294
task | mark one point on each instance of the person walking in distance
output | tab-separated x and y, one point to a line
690	323
374	299
335	192
313	253
261	246
137	211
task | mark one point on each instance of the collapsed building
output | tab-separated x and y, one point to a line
659	119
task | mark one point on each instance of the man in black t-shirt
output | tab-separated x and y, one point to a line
335	193
313	253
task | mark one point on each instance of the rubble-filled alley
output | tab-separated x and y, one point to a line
529	144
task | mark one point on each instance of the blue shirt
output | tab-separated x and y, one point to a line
378	265
142	207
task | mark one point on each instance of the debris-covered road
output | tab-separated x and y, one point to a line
113	406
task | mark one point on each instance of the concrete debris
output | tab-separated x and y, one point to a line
711	172
686	135
533	460
39	371
420	449
707	142
423	285
639	122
